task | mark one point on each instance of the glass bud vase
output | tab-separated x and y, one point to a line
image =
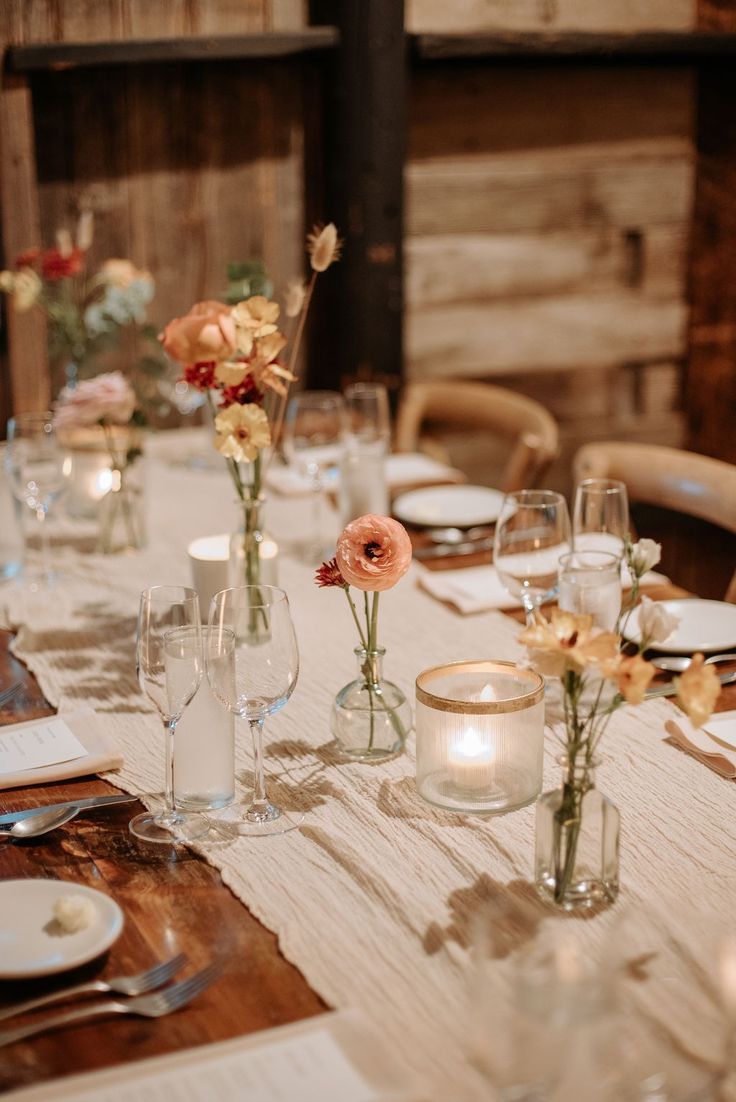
577	842
248	565
371	717
122	518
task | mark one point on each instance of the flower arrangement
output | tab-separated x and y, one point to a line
86	310
233	353
108	401
373	553
598	674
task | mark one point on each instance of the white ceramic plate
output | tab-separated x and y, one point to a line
31	944
703	626
449	506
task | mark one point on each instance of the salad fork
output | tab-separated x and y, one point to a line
140	984
156	1005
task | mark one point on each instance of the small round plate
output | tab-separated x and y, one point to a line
31	942
449	506
703	626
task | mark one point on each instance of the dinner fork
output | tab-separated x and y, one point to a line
145	1006
144	982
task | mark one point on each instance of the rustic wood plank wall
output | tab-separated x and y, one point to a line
186	166
527	15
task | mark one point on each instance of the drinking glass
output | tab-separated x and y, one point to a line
590	583
169	667
532	531
363	487
39	467
313	431
601	515
255	622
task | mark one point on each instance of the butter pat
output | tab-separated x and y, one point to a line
74	913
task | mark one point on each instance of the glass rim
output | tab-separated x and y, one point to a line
198	629
155	592
275	589
534	499
602	485
318	396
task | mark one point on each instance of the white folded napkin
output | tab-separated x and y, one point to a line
478	588
714	744
404	469
100	753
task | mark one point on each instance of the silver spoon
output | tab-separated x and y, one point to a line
678	663
39	824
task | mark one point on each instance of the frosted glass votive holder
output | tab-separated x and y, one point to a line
480	736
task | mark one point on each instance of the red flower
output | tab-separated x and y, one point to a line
27	258
56	266
329	575
200	375
243	393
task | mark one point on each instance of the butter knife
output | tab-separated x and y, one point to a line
445	550
670	690
87	802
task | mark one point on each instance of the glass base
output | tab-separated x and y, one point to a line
363	753
239	821
148	827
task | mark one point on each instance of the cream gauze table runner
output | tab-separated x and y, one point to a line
373	897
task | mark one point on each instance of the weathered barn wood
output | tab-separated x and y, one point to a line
480	15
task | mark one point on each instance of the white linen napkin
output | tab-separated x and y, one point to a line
403	469
714	744
101	753
479	589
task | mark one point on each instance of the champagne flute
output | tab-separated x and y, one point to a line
39	468
255	622
601	515
532	532
313	430
169	667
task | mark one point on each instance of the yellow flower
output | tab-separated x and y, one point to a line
117	272
26	289
230	374
267	374
631	674
254	317
567	642
323	246
242	431
697	690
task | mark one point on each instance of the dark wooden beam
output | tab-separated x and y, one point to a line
74	55
645	46
366	89
710	384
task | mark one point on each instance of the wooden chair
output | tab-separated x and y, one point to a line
669	478
526	423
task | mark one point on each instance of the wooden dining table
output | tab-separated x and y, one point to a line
173	902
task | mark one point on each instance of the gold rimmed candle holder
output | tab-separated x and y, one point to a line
480	736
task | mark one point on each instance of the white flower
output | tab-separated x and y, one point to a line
85	230
643	556
108	397
294	298
655	623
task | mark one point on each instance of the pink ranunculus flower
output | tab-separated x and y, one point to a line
373	553
206	333
108	397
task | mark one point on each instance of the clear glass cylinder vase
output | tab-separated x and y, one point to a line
121	513
252	552
577	841
371	717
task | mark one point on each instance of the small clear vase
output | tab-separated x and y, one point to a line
371	717
122	516
576	864
247	565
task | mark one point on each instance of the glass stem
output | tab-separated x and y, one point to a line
43	533
530	608
169	813
317	510
260	800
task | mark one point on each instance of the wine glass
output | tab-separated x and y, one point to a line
169	667
600	516
363	486
313	430
532	532
39	467
254	620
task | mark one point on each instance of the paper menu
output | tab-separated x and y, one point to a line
335	1057
47	742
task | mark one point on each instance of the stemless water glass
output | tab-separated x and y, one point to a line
590	584
39	468
169	666
254	620
313	431
532	532
600	515
363	487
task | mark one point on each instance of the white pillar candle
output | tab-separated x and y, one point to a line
470	762
268	555
209	558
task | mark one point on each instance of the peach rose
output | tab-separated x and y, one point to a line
206	333
108	397
373	553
